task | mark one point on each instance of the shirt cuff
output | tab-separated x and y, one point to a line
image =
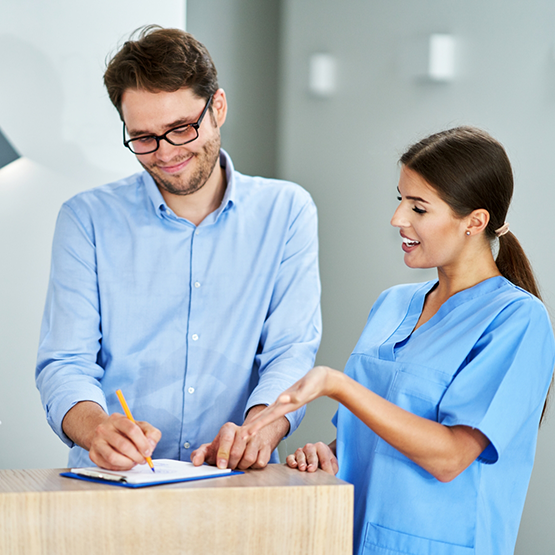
66	400
267	397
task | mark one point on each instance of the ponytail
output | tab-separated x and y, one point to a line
514	265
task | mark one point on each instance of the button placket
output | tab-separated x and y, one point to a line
195	321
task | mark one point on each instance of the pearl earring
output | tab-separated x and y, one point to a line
467	232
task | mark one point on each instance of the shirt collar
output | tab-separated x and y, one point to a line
230	190
161	207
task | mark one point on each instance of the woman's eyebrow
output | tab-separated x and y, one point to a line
419	199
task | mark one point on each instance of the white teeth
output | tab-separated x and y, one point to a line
410	243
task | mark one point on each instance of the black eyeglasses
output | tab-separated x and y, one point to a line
177	136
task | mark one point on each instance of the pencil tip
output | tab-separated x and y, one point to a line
153	469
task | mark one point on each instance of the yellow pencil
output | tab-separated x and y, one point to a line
130	416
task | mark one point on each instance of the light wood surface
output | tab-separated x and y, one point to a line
276	510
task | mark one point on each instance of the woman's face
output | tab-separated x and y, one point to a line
432	235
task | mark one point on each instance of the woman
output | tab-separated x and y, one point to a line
441	399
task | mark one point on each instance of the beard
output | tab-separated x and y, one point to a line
206	160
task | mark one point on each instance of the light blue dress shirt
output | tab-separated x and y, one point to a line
484	360
196	324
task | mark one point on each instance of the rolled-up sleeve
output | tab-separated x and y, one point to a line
66	371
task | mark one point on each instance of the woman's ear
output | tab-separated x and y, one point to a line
477	221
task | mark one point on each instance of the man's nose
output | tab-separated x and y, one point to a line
166	151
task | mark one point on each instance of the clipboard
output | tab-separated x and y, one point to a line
167	472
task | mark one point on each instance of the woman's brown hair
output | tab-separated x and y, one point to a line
469	169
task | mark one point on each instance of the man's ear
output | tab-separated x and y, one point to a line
219	107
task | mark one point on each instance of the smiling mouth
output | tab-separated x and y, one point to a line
174	168
410	242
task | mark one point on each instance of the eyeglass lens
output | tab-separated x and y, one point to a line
176	137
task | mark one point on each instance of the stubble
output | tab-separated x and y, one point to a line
206	161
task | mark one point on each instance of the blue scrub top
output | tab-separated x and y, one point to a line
484	360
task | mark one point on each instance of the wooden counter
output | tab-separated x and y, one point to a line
276	510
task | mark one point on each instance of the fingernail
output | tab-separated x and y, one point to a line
152	443
222	463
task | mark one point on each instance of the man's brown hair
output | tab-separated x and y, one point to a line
157	59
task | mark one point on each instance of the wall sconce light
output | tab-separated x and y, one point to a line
322	75
430	59
8	154
441	57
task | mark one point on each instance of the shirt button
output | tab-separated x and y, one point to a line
195	336
197	232
197	284
191	390
186	445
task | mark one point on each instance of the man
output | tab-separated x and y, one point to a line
191	287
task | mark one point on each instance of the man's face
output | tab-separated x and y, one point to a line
178	170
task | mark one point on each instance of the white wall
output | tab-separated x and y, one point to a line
344	151
56	113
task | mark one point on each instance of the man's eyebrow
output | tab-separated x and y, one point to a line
419	199
177	123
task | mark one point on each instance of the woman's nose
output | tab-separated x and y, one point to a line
398	219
